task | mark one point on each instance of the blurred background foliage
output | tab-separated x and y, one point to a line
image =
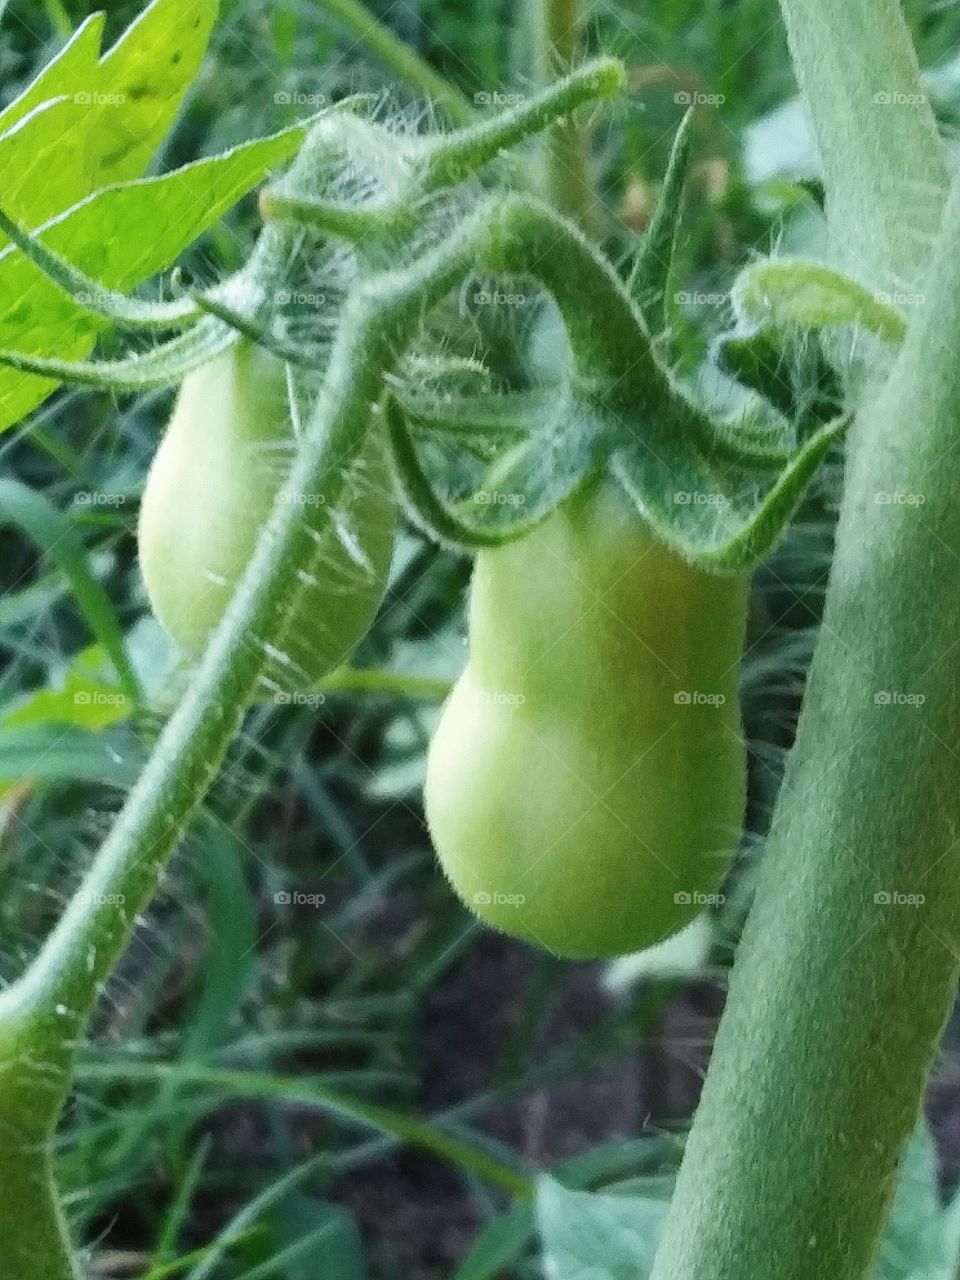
367	1086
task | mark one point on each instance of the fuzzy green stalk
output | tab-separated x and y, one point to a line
558	38
849	961
883	164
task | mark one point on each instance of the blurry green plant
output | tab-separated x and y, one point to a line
606	457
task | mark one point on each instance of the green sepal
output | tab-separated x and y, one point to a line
719	518
358	224
785	369
650	273
519	491
797	293
161	367
246	324
485	424
91	295
751	442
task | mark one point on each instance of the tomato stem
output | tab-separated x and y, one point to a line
559	40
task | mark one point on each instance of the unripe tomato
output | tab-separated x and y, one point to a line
585	786
210	488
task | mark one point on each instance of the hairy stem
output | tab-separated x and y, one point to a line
558	46
850	957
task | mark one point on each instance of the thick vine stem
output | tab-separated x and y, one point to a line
883	163
849	961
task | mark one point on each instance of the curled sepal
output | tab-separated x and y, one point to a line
246	325
751	442
796	293
719	519
517	494
650	273
789	372
92	295
439	373
161	367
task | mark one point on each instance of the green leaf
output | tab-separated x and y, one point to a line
151	220
505	1238
55	535
231	945
85	696
591	1236
317	1238
87	121
915	1245
58	753
651	269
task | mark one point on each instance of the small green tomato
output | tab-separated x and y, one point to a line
585	786
211	486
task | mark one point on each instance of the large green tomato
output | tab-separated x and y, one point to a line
211	486
585	786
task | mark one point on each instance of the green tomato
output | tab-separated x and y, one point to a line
586	783
213	482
